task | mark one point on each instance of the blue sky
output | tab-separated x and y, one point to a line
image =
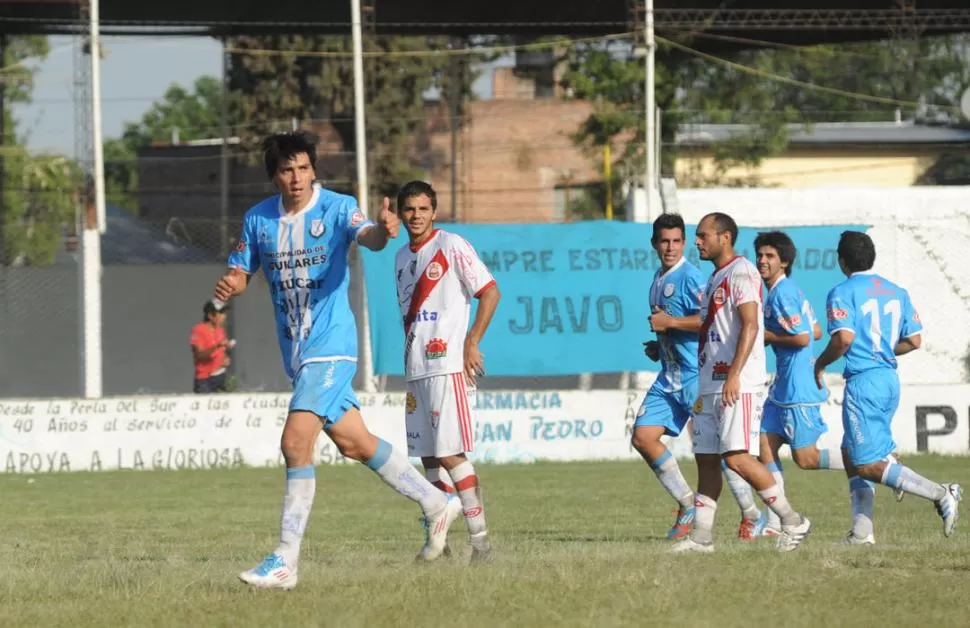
134	74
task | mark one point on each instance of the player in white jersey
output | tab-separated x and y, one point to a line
438	274
301	239
732	388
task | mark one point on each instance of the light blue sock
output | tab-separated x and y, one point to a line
668	472
830	459
903	478
301	485
862	495
398	472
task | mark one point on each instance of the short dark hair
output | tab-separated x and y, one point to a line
416	188
668	221
281	147
857	251
724	223
779	241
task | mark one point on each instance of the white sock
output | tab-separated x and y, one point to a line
439	478
301	485
668	472
705	509
742	493
470	493
830	458
862	494
779	474
902	477
398	472
774	498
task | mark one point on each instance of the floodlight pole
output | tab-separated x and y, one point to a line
366	359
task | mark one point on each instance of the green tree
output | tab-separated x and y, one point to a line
38	191
692	89
314	80
189	115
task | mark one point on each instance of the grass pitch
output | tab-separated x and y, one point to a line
578	544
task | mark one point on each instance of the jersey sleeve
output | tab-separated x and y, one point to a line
789	315
745	286
354	221
691	294
472	271
838	312
245	256
197	338
911	324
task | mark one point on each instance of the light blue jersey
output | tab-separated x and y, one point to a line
878	313
788	312
669	401
678	293
304	260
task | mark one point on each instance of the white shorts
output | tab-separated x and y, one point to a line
438	416
719	429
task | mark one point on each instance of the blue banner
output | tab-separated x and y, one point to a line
575	297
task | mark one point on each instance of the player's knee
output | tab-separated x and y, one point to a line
872	472
734	461
295	448
805	457
645	440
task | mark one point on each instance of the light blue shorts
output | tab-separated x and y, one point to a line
871	399
669	410
325	389
798	426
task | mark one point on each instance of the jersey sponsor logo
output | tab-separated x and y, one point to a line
436	349
669	290
424	316
422	289
356	218
837	314
719	371
714	336
789	323
410	403
434	271
317	228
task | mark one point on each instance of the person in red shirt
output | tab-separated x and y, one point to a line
209	346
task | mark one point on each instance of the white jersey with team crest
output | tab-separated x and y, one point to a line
728	288
436	282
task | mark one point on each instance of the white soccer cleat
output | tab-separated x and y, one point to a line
770	531
436	529
688	545
792	536
948	507
481	548
852	539
272	573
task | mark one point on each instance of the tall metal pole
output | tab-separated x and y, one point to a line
3	144
454	97
224	156
94	226
649	179
366	359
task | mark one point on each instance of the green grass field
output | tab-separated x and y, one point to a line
577	544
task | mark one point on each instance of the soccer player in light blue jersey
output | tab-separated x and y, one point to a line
675	297
301	239
872	321
792	414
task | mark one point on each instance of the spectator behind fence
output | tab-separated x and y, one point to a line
209	345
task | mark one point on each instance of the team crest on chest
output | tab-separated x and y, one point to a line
434	271
669	290
719	296
317	228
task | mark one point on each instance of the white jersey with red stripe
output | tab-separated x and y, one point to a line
436	282
737	283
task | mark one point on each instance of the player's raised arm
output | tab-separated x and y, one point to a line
376	236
